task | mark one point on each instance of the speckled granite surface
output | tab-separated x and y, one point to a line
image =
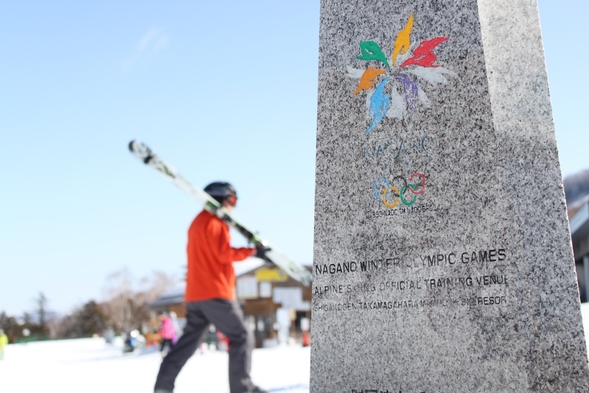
442	252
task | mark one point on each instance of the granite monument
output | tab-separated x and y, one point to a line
442	254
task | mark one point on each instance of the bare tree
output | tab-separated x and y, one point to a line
127	299
41	310
156	284
118	291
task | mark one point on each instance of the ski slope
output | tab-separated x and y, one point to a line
88	366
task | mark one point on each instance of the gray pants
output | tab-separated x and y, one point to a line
227	317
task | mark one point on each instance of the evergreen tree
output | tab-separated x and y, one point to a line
10	327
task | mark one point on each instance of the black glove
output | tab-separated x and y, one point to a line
261	252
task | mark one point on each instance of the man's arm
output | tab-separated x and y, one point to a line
220	240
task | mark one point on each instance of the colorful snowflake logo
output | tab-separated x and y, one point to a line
420	63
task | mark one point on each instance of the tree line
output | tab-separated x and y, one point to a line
125	308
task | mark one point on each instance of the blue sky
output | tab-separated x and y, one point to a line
220	90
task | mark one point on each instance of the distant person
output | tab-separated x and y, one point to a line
167	334
210	285
176	325
109	336
3	343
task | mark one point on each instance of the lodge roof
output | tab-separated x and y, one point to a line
176	295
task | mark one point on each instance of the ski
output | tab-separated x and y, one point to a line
148	157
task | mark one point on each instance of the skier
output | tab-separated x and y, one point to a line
167	334
3	343
209	297
176	325
108	335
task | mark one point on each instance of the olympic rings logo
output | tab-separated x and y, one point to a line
399	192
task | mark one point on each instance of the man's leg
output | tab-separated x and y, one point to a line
227	317
196	325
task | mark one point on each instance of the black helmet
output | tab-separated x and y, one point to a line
220	190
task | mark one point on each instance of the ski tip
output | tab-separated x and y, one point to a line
141	151
131	145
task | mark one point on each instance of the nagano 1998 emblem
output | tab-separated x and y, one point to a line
406	69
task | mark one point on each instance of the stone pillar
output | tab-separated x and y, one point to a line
442	259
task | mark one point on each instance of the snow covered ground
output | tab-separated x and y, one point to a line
87	366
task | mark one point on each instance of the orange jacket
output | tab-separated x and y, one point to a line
210	272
